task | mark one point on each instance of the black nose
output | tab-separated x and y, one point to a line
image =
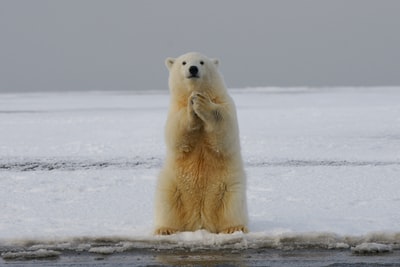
193	70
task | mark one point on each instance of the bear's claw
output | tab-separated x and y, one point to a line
165	231
231	230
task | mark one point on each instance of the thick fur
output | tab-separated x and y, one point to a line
202	184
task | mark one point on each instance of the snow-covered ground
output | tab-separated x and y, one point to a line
323	168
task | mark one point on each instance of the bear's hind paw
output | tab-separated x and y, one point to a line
165	231
231	230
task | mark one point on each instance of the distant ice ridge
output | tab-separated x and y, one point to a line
75	164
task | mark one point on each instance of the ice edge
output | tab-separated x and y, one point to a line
378	242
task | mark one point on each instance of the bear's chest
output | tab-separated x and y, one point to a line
200	167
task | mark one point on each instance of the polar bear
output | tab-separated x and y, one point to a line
202	184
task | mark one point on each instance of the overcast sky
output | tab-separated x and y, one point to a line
121	45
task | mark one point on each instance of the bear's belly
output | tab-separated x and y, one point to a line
202	183
201	171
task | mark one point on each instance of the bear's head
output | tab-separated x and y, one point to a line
193	72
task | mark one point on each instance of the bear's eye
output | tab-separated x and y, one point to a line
201	62
184	63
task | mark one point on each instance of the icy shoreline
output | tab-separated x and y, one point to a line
201	241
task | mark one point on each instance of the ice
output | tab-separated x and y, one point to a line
371	248
78	170
30	255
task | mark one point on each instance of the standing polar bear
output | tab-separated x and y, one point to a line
202	184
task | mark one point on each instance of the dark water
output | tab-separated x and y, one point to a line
250	257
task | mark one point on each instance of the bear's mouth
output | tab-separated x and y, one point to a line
193	76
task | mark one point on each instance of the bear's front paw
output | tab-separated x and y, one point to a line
199	100
165	231
231	230
200	104
195	97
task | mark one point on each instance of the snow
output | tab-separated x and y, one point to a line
323	169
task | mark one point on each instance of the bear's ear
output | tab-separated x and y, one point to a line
169	62
215	61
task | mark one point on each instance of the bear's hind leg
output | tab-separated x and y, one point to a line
233	210
169	209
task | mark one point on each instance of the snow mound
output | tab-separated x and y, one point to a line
371	248
106	250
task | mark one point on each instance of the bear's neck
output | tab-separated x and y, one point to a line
184	91
183	95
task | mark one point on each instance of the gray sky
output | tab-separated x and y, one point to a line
121	45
